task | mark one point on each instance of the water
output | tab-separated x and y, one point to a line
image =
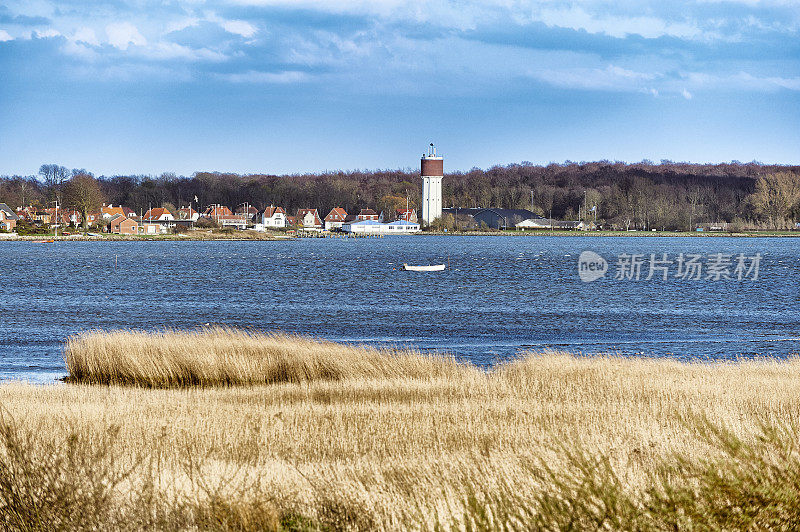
499	296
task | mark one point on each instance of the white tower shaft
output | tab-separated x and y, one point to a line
432	172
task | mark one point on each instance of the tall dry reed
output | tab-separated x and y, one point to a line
223	356
550	441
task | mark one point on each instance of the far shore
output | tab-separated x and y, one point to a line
205	235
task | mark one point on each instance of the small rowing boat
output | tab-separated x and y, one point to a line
431	268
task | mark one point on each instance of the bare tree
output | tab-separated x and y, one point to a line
776	195
83	193
54	177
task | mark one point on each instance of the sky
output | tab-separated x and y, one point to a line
293	86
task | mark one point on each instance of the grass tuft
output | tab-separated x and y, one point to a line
215	356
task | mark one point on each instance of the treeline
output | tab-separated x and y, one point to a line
643	195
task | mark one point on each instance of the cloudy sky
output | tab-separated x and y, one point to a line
282	86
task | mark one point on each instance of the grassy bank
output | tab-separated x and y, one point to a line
364	439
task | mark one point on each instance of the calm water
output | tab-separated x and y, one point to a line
499	296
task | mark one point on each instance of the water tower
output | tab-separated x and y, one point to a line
432	172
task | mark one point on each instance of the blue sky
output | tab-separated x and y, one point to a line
279	86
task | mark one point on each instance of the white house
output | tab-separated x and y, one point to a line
372	227
273	216
335	218
546	223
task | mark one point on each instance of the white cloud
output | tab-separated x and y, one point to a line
86	35
4	36
122	34
48	33
647	26
610	78
252	76
183	23
170	50
686	94
239	27
79	50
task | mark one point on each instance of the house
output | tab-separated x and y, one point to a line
108	211
148	228
409	215
93	217
374	227
157	214
122	225
223	216
249	211
187	213
273	216
26	213
309	218
335	218
369	214
41	217
546	223
8	219
215	211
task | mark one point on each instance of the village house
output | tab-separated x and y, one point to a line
122	225
41	217
26	213
223	216
187	213
249	211
335	218
273	216
158	214
374	227
546	223
369	214
409	215
309	218
109	211
148	228
8	219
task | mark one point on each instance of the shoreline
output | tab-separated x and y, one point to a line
241	236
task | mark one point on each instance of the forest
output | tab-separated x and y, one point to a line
665	196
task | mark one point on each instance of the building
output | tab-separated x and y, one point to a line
215	211
374	227
409	215
108	211
309	219
503	218
187	213
247	210
335	218
148	228
546	223
224	217
158	214
122	225
273	216
8	219
493	218
432	172
368	214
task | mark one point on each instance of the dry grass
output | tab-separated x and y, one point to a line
366	439
221	356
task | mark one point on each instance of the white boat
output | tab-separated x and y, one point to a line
431	268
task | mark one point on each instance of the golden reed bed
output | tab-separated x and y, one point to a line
314	435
